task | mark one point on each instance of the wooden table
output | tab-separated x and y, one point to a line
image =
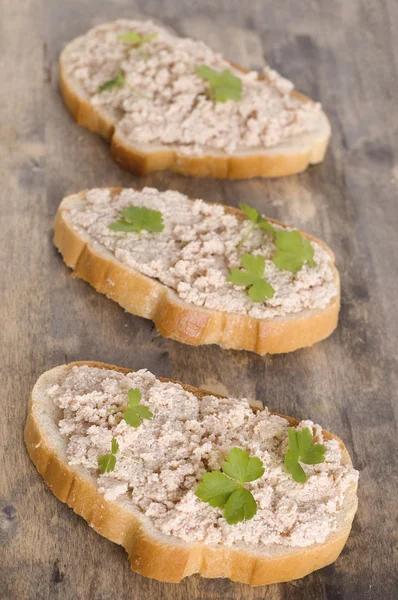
341	53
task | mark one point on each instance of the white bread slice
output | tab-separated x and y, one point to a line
176	319
151	553
292	156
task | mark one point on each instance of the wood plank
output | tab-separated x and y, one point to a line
344	54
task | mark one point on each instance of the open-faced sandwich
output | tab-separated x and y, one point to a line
166	102
189	482
204	273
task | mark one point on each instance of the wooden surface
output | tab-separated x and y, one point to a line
343	53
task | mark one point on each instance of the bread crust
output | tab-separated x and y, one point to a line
154	556
218	166
183	322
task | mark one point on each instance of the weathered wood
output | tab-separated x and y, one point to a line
344	54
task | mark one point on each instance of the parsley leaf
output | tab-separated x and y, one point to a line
242	468
229	492
292	251
240	505
215	488
116	81
138	218
107	462
114	446
302	449
294	468
254	216
136	413
136	38
254	264
251	213
224	85
252	278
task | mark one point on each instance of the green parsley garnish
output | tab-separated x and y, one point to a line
226	490
252	278
257	221
138	218
301	449
224	85
107	462
136	413
292	249
117	81
136	38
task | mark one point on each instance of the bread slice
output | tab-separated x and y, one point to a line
151	553
179	320
292	155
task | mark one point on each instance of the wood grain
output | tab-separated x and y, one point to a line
342	53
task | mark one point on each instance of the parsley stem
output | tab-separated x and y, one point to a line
137	93
144	54
248	232
117	408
